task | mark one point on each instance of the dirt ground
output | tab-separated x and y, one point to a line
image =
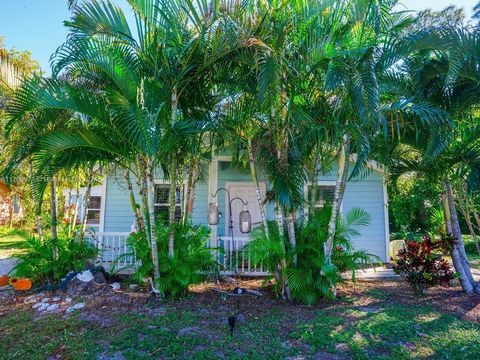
370	319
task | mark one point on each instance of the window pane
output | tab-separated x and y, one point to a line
93	216
324	195
95	202
161	194
162	213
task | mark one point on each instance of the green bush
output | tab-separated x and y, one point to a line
191	263
48	261
318	278
313	278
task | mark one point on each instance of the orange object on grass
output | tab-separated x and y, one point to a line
21	284
4	280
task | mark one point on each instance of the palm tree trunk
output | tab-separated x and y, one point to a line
190	195
171	209
291	232
342	174
53	214
459	257
38	220
77	204
86	200
253	173
133	204
173	165
142	190
151	215
314	185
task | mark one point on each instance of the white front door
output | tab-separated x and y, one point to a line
246	192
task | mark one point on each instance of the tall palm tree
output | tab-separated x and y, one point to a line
447	79
141	94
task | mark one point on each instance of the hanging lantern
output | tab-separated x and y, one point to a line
213	214
245	221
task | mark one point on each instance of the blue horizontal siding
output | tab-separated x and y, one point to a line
365	193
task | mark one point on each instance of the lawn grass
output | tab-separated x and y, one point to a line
347	329
12	242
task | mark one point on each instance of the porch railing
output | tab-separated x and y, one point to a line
233	260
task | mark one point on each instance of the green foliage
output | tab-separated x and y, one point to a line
192	261
319	278
411	200
49	261
313	277
420	265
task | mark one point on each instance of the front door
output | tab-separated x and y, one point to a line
245	191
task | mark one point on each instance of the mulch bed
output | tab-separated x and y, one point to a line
218	298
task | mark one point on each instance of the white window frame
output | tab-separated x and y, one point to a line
95	209
326	183
181	204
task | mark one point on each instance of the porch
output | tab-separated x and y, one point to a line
233	259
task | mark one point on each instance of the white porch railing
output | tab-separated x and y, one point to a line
233	260
113	249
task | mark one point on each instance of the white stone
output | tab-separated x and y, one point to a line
43	306
68	299
115	286
30	299
56	298
37	305
44	300
53	307
85	276
79	306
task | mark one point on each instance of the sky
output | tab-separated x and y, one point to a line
37	25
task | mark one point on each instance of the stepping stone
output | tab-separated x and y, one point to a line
52	307
43	306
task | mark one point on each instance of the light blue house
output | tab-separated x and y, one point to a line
112	217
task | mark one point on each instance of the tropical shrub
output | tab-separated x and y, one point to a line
312	277
191	263
421	265
48	261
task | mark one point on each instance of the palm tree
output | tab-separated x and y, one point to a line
448	80
144	94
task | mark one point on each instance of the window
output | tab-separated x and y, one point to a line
94	208
162	203
324	195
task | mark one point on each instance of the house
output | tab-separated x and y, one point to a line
111	217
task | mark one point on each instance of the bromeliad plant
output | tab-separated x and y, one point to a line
308	275
422	266
191	263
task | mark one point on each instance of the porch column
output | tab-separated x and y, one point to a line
212	188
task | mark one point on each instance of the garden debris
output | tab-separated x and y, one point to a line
228	279
85	276
99	278
239	291
115	286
